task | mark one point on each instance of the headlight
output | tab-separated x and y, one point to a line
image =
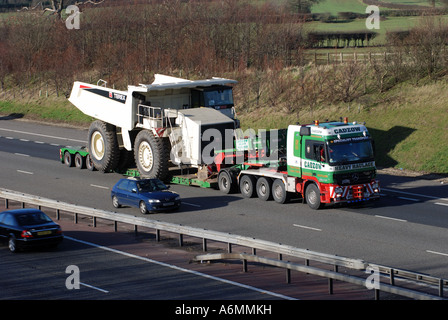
177	198
338	190
153	201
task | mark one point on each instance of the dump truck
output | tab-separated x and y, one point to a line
155	124
187	132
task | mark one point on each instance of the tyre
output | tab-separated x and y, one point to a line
115	202
80	161
143	207
12	244
225	182
151	155
279	191
68	159
312	196
103	146
264	186
89	163
247	186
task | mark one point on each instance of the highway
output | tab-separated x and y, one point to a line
406	229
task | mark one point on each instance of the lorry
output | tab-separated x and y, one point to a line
186	132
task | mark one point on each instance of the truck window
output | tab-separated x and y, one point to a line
315	150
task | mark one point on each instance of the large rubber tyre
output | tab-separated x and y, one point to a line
103	146
264	187
80	161
312	197
279	191
68	159
247	186
151	155
225	182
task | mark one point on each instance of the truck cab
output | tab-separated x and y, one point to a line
337	157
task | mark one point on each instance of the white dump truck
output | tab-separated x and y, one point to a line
154	124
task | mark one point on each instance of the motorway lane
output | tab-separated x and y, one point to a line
401	230
109	274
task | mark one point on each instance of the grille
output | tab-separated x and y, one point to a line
350	178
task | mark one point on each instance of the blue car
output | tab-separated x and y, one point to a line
150	195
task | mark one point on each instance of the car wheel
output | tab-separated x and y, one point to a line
12	244
143	207
115	202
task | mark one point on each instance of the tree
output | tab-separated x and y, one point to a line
302	6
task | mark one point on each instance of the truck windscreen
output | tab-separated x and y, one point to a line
221	97
350	150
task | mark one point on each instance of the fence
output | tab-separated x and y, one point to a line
325	58
393	275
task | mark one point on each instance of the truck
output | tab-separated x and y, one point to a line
186	132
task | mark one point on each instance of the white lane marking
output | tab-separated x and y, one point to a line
439	253
389	218
24	140
93	287
415	194
100	187
22	154
191	204
130	255
41	135
25	172
306	227
39	142
410	199
442	204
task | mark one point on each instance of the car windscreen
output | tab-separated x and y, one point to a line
151	185
32	218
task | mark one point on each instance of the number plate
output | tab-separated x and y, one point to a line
43	233
167	204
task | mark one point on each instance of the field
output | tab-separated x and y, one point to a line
403	101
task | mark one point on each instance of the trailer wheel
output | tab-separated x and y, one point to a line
103	146
264	186
151	155
247	186
68	159
279	191
89	163
80	161
312	197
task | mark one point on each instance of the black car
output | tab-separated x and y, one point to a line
23	228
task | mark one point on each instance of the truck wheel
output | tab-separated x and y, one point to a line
151	155
247	186
103	146
80	161
68	159
225	182
279	191
264	186
312	197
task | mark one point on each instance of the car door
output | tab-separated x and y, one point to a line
133	194
7	225
2	227
121	192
